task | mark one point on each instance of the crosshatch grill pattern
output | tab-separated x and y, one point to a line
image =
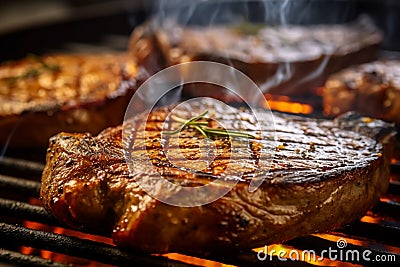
19	188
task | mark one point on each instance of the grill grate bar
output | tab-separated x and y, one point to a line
319	245
395	168
16	258
394	188
18	185
249	258
22	166
25	211
384	232
387	208
78	247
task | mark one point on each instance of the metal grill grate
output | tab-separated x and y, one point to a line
379	236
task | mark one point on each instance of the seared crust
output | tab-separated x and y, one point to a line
372	89
320	178
41	96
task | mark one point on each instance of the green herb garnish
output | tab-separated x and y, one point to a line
204	129
34	72
248	28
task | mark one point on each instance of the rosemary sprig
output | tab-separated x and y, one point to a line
204	129
192	121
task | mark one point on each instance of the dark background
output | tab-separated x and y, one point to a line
43	26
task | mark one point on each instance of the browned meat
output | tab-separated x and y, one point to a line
313	52
41	96
321	177
372	89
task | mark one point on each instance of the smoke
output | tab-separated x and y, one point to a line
269	12
3	150
169	15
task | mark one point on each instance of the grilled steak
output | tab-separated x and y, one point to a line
372	89
41	96
320	178
313	52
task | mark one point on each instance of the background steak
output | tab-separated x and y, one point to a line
41	96
372	89
285	60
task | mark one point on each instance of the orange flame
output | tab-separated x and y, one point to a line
57	257
284	104
335	238
82	262
364	243
195	261
370	219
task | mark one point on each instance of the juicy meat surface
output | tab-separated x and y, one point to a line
372	89
319	178
263	52
41	96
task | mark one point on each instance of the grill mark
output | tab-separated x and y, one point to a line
285	161
294	136
277	165
292	164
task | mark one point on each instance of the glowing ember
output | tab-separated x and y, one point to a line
366	244
395	161
195	261
335	238
284	104
370	219
57	257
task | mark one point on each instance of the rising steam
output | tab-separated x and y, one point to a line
280	38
